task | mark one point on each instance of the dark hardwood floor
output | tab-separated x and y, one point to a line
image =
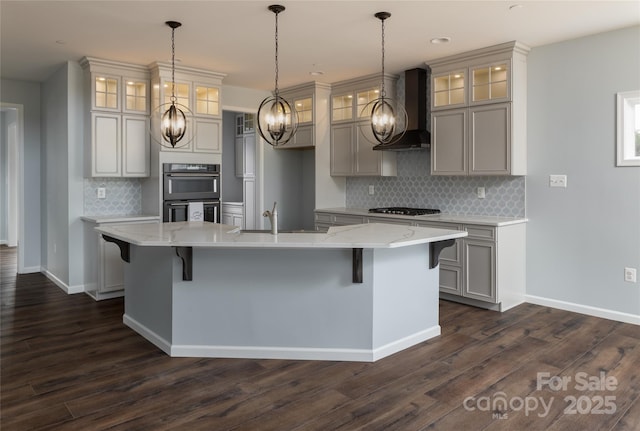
68	363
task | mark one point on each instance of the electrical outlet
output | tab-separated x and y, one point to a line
630	275
558	181
101	192
371	189
480	192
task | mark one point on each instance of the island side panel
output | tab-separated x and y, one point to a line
148	281
406	298
278	301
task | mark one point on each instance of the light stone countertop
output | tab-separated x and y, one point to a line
205	234
98	219
442	218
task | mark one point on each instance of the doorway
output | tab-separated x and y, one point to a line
11	180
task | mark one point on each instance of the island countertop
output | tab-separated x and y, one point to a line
205	234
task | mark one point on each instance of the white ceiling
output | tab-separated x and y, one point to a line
340	38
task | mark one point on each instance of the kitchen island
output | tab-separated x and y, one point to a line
356	293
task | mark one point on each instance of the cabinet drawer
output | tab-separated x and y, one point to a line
451	255
483	232
450	279
343	219
390	221
324	218
439	225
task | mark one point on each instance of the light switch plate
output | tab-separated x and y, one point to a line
371	189
558	181
481	193
101	192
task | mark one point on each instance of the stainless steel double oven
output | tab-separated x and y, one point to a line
188	182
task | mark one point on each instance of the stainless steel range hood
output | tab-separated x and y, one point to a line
417	137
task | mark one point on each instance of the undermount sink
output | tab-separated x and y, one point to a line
279	231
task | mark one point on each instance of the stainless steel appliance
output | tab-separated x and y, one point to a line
179	211
405	211
188	182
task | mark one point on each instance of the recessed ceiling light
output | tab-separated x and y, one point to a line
60	42
443	39
316	73
515	6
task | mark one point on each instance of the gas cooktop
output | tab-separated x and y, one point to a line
404	211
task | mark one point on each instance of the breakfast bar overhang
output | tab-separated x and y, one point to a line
355	293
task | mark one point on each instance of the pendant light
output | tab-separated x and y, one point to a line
388	119
277	119
174	122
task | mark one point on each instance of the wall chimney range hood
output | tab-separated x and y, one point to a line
417	137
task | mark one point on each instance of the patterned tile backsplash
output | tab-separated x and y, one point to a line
123	196
415	187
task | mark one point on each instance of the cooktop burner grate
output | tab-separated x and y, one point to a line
405	211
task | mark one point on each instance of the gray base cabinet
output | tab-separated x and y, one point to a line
104	268
484	269
232	213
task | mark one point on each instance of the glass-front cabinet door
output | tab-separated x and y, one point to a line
490	83
449	90
249	123
364	98
106	94
181	91
136	96
342	107
207	100
304	107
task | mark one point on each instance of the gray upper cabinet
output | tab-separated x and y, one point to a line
449	148
352	151
478	103
196	90
310	101
117	119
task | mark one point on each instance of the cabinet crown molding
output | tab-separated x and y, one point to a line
503	50
164	69
94	64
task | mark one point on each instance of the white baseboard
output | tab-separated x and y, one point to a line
61	284
291	353
31	270
404	343
585	309
147	333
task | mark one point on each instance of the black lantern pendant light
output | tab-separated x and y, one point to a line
388	122
174	121
277	119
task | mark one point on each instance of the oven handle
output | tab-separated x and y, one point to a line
183	204
192	174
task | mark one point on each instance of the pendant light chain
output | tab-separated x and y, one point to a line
382	91
173	65
276	38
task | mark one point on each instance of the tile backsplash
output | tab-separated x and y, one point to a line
123	197
416	187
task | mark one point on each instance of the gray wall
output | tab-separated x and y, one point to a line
62	123
289	179
27	94
580	238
